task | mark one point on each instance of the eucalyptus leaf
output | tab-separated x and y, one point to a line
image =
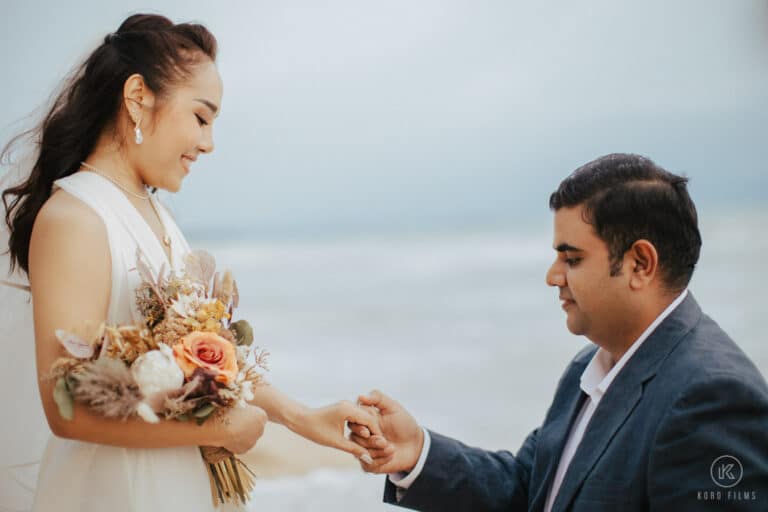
204	411
63	399
243	332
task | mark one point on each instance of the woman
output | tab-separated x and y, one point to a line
135	115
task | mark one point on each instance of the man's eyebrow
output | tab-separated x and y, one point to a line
567	247
208	104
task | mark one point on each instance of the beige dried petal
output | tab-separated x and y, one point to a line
200	266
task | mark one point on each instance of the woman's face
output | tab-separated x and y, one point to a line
180	129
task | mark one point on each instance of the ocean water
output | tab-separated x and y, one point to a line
458	326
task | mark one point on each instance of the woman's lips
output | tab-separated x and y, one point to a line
186	161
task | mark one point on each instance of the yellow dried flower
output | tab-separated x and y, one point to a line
127	343
171	330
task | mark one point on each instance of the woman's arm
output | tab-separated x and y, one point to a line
70	276
324	425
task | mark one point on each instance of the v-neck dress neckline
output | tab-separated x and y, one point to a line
156	207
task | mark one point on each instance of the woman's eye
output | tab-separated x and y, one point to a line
200	120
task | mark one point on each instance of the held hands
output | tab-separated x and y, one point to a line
325	425
384	436
399	443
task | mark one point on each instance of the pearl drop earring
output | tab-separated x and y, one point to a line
137	131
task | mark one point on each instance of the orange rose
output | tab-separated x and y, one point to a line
208	351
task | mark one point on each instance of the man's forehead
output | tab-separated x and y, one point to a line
571	231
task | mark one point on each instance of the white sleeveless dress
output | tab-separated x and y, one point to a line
82	477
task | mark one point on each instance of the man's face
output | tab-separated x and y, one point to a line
594	302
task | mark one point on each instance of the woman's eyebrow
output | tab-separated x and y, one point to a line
208	104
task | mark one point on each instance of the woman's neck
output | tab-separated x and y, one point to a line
115	166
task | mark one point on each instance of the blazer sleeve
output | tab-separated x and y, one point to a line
718	415
460	478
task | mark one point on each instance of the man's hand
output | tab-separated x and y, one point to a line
403	439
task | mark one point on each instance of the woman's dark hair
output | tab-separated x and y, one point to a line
628	198
162	52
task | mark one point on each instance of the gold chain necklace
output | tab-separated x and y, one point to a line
166	238
115	182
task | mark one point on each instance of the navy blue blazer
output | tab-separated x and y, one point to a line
684	426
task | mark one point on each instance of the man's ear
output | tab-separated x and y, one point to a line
643	263
138	99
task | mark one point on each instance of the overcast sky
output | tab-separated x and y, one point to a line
366	115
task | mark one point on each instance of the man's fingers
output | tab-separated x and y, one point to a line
370	443
360	430
377	466
383	453
363	417
377	399
377	447
365	442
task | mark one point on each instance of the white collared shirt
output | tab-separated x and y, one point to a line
595	380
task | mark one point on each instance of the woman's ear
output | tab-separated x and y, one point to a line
643	263
138	99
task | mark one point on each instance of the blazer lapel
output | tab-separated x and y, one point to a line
622	397
553	435
610	414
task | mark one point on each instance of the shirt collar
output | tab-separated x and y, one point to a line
601	371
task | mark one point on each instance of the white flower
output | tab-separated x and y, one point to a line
185	306
146	413
246	390
156	373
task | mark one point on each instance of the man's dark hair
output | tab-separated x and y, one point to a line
628	198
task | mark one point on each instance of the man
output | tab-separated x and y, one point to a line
664	413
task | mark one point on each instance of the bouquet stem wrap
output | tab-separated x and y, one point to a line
231	480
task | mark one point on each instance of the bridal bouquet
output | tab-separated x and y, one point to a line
186	361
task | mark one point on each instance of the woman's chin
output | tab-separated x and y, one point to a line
175	181
171	186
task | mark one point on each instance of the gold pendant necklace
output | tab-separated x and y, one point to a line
166	239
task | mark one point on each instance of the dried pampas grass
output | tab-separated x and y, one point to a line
107	387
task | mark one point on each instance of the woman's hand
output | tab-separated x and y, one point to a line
244	427
325	425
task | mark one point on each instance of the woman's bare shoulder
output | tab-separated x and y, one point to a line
65	214
70	229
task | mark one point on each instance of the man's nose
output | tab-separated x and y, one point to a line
556	275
